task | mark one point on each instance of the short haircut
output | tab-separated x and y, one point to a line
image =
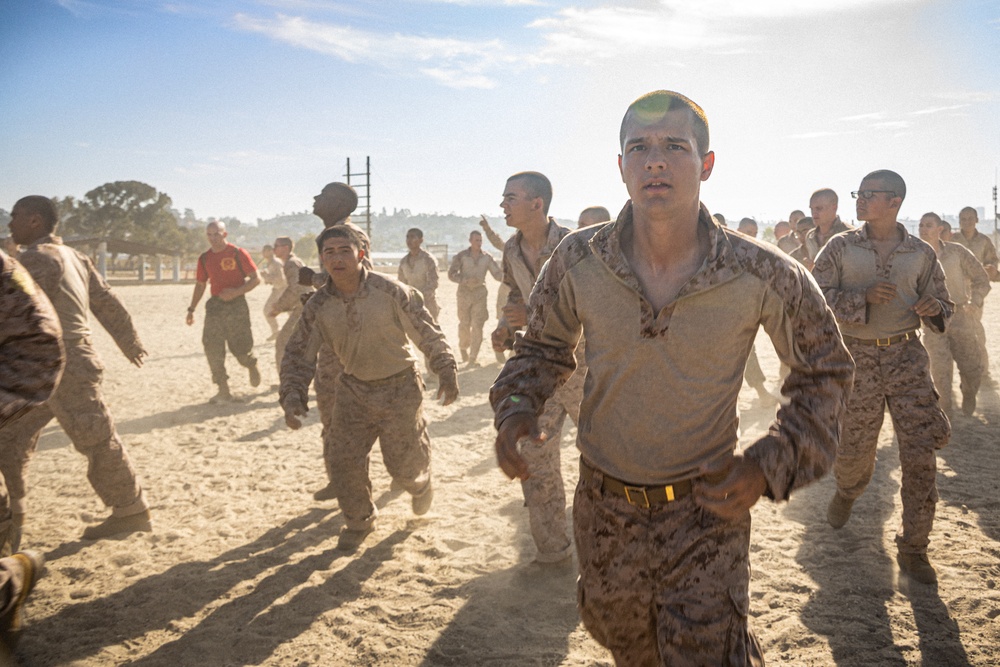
658	103
267	247
969	209
805	224
826	193
475	232
946	225
719	218
598	212
218	224
537	185
800	213
42	206
747	221
339	232
415	231
892	180
284	240
931	214
782	224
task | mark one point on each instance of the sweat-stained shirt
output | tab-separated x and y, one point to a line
967	280
981	247
367	332
849	264
660	399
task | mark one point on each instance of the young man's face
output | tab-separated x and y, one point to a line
24	227
519	207
661	164
823	210
476	241
930	230
341	258
879	205
967	221
413	241
282	250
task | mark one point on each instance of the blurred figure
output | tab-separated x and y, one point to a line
290	300
592	215
75	288
748	226
801	253
794	217
986	253
946	232
784	238
232	273
823	206
721	219
273	274
419	269
469	269
968	284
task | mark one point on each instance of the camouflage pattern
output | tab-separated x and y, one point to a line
898	377
328	370
291	303
983	249
422	273
956	346
77	403
31	350
666	585
273	274
391	411
227	323
470	272
502	291
815	241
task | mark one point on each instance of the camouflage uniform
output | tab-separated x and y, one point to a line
668	584
227	323
968	284
470	274
422	273
74	287
379	394
289	302
894	375
273	274
544	491
982	247
31	358
502	291
815	241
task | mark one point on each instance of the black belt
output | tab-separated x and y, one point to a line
635	494
883	342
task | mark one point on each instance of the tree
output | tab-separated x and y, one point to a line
125	210
305	248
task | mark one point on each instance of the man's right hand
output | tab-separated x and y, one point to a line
881	293
306	276
516	314
484	223
190	318
512	429
293	410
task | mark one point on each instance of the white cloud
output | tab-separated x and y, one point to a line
893	124
930	110
878	115
451	62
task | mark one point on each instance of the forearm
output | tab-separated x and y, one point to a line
199	291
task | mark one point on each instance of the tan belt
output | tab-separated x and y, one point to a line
882	342
638	495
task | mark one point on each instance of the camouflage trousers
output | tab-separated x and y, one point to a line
281	342
80	410
227	323
328	371
980	331
544	491
390	411
956	346
472	315
667	585
431	304
896	376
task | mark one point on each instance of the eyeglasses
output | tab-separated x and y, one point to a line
868	194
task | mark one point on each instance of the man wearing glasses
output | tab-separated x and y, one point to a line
881	283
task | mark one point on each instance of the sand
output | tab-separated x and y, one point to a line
242	567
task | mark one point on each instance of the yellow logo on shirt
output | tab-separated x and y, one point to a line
228	264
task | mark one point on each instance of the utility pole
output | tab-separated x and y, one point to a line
364	191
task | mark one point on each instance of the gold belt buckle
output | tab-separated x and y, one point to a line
669	489
879	343
629	490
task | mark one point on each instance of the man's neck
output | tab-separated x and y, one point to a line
885	229
347	286
663	239
220	248
535	235
414	252
825	229
969	233
476	252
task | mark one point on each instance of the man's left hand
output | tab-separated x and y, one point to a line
448	387
230	293
927	306
741	484
516	314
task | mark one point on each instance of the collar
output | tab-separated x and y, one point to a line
553	236
48	238
362	286
909	243
721	265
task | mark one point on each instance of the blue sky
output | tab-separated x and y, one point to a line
247	107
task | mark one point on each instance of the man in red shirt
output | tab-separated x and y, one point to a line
227	318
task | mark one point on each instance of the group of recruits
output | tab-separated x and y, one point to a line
661	516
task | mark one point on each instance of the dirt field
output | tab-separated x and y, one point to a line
242	567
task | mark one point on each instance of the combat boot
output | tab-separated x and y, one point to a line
839	511
968	404
421	502
917	567
351	538
12	615
223	396
254	375
120	525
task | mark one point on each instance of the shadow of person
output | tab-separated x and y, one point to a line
167	601
518	616
853	572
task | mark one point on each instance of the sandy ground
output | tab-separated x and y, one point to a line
242	567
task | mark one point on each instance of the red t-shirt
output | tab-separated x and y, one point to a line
228	268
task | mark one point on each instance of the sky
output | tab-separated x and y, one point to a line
247	108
